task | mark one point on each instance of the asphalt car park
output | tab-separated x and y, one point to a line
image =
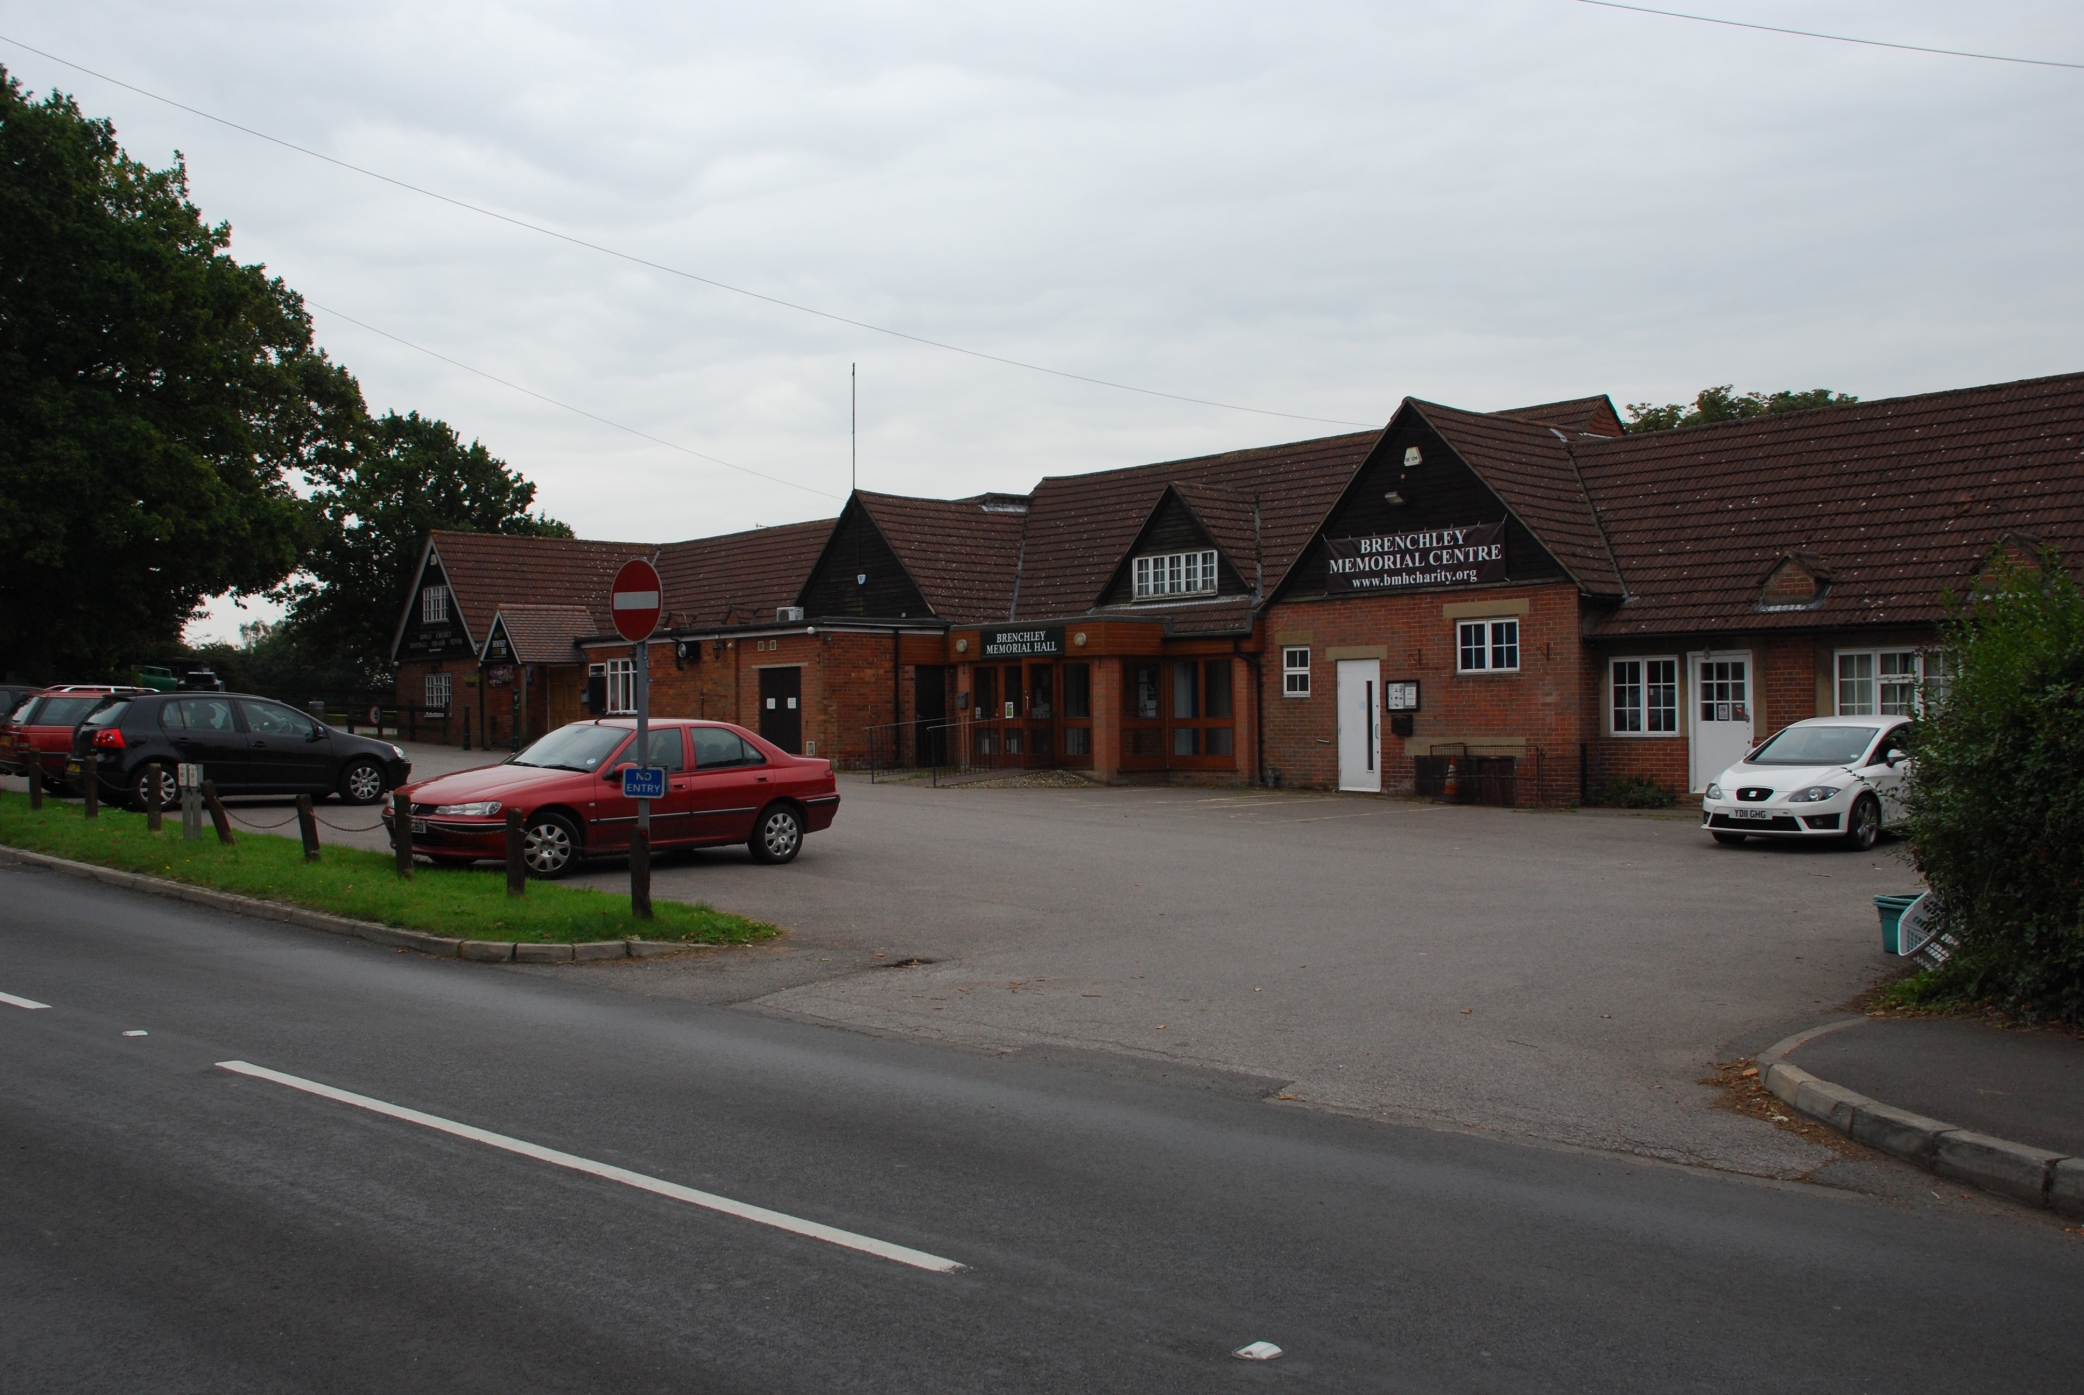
1564	976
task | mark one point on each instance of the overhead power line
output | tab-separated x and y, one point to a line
636	260
541	397
1834	38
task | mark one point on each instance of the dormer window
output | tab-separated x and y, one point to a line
1176	574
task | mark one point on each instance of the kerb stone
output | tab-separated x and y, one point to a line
2009	1169
1898	1132
487	951
601	949
1834	1104
1786	1081
542	954
2066	1190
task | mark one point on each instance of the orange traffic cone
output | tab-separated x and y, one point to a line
1452	789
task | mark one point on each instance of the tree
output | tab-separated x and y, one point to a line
370	513
1996	808
154	397
1723	404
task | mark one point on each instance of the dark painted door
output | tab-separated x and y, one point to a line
930	706
781	708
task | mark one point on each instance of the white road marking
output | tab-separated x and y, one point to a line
136	1034
29	1003
1257	1351
831	1235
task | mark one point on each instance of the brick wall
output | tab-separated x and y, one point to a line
1542	707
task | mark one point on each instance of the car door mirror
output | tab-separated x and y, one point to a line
613	773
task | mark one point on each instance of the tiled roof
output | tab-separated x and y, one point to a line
489	570
1229	518
1530	468
1580	416
1900	499
1079	526
545	634
738	578
962	554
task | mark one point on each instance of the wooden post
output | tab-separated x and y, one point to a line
90	785
307	824
401	832
217	814
154	802
517	849
640	873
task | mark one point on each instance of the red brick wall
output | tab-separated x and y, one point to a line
1544	703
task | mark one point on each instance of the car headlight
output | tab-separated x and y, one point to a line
1714	791
1815	794
398	751
476	809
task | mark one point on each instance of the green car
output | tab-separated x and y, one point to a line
159	678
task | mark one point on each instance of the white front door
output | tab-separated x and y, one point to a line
1360	729
1722	711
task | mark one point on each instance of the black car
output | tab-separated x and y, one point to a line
245	745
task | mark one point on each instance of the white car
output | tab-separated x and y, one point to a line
1827	777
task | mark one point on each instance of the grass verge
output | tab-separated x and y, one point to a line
362	885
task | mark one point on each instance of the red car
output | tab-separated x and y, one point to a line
39	731
723	785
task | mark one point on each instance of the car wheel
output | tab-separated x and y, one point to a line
141	790
362	782
550	846
778	836
1863	824
61	788
1730	839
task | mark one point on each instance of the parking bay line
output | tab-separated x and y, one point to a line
29	1003
831	1235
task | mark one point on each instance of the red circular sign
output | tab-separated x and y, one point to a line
636	599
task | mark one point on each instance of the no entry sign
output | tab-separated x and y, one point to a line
636	601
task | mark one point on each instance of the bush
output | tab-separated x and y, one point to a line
1996	805
1632	792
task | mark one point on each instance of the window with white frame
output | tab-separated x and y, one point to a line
1888	682
1645	696
434	605
1295	672
439	689
1175	574
1484	646
622	686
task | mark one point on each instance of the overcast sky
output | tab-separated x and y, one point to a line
1315	209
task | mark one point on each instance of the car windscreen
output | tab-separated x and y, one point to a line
68	709
1814	746
579	747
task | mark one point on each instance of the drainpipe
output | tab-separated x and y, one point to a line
897	691
1258	714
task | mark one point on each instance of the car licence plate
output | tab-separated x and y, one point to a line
419	825
72	767
1759	814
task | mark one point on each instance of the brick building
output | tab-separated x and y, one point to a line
1531	596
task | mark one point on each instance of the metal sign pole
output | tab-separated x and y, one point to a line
640	850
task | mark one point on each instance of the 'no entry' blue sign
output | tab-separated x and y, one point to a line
643	782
